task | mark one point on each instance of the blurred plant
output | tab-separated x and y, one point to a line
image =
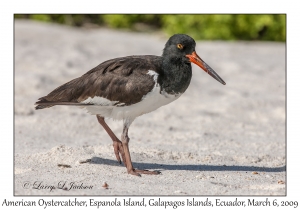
270	27
227	27
128	21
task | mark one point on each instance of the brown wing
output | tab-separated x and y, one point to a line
122	79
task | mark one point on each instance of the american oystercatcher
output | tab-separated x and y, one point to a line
127	87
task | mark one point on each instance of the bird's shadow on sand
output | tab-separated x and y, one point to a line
163	167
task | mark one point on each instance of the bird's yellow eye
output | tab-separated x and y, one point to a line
180	46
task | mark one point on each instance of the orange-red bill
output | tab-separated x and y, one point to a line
199	62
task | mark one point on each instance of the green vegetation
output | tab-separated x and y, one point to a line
206	27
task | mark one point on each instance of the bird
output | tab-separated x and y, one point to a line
125	88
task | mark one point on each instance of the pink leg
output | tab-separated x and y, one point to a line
117	144
130	169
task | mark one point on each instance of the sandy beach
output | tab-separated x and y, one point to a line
213	140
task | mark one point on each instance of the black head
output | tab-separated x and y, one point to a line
182	45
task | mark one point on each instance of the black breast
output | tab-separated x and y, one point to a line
176	76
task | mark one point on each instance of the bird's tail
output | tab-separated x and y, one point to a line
43	103
63	95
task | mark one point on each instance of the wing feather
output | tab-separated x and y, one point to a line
124	80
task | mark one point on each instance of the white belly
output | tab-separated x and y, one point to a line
150	102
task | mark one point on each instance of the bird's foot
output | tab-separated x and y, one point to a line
137	172
118	149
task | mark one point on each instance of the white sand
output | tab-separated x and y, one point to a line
208	142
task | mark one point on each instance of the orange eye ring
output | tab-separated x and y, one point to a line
180	46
